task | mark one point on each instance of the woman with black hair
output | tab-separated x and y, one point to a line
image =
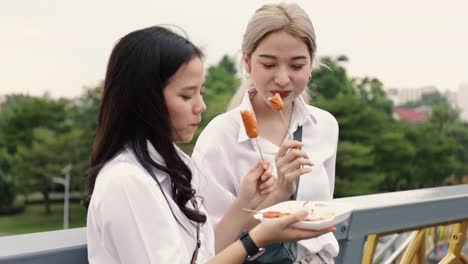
142	202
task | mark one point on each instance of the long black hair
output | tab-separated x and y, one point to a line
133	110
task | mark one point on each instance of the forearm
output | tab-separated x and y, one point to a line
228	229
236	252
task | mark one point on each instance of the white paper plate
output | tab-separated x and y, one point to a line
341	212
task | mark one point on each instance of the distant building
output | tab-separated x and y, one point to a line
462	101
409	115
402	96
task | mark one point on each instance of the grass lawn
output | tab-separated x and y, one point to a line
35	220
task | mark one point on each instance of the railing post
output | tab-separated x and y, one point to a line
350	250
456	243
369	249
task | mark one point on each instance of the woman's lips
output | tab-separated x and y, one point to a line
283	94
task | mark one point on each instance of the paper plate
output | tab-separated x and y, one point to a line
334	212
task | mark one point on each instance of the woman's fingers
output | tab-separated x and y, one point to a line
297	163
269	190
286	146
290	157
290	176
267	181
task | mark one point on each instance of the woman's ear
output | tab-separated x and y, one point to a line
247	63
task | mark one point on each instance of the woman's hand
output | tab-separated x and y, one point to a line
290	161
281	230
256	185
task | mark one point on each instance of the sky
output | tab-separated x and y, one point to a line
61	46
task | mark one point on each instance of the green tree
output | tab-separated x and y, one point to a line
84	116
329	80
7	188
35	166
459	133
443	115
21	114
394	157
372	92
354	170
227	63
358	121
435	157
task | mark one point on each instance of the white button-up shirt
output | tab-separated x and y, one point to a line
225	153
130	221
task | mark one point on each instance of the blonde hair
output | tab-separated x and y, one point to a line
269	18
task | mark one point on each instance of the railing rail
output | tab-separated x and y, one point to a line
373	214
398	211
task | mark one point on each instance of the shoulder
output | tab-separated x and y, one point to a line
323	118
223	127
121	175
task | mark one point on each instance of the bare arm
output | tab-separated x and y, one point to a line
255	187
276	230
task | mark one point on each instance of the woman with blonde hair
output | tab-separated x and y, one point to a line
279	47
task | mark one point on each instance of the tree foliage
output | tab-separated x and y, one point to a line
40	135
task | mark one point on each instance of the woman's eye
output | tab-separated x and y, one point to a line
297	67
185	97
268	66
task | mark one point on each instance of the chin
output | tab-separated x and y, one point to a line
184	140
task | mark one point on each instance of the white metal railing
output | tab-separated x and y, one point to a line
373	214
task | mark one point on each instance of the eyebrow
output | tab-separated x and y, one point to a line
268	56
192	87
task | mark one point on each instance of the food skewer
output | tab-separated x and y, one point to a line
277	104
251	128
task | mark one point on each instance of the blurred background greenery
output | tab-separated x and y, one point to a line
376	152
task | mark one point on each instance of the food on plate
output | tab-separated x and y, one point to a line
316	213
322	214
250	123
274	214
276	102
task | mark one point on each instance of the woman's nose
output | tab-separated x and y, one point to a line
200	107
281	77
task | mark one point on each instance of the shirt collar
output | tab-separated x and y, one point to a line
154	154
300	115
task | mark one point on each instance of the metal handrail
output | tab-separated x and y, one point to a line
373	214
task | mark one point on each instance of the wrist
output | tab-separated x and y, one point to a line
280	195
243	203
259	236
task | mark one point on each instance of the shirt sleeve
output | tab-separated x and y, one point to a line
330	168
136	222
330	163
216	180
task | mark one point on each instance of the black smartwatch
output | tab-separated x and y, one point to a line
253	251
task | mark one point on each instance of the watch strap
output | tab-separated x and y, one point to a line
252	249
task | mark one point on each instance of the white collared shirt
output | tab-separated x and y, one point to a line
225	153
130	221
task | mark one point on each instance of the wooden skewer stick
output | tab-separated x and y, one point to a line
259	150
250	210
285	124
